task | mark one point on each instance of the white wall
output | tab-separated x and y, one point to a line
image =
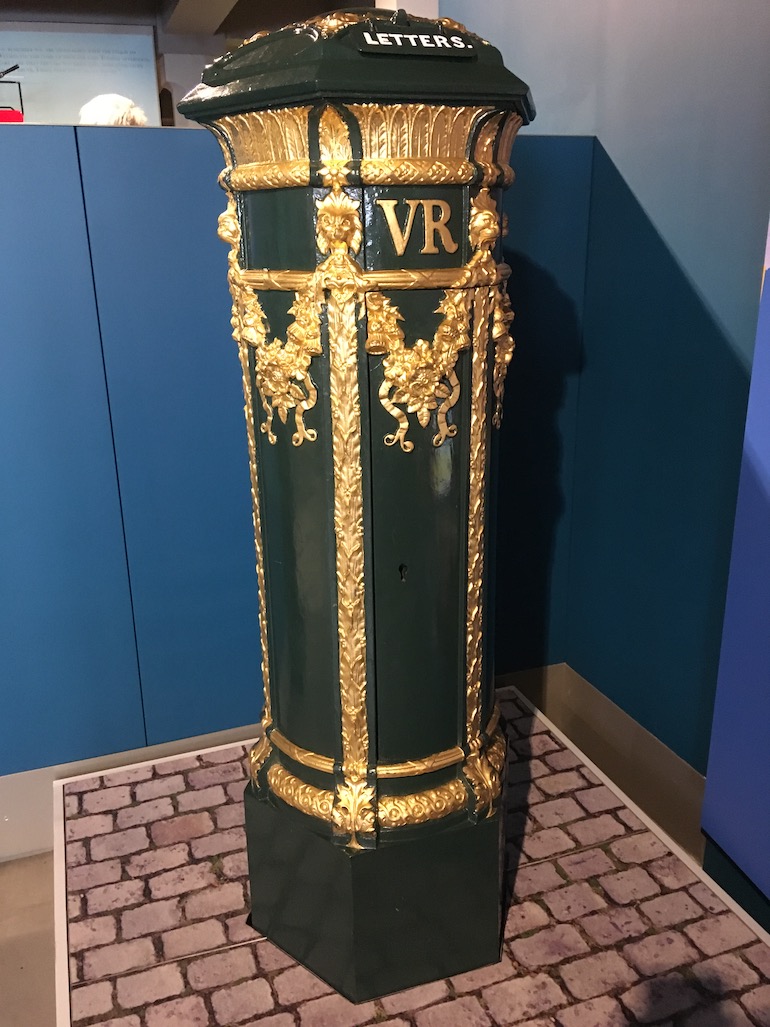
677	92
419	8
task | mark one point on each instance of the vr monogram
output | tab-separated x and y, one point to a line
436	215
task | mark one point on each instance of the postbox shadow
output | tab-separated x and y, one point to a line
535	444
515	807
530	507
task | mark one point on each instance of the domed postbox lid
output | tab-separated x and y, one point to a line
358	54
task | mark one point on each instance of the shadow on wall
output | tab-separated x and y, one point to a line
659	439
655	430
532	450
548	212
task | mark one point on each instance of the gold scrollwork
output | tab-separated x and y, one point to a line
419	807
230	232
421	377
392	810
483	769
258	756
504	347
281	370
475	771
315	802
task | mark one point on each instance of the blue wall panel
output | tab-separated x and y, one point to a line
67	658
660	423
548	209
175	391
736	811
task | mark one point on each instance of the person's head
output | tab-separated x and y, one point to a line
112	109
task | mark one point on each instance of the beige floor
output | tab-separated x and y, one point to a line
27	995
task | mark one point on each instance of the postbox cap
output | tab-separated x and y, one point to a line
358	54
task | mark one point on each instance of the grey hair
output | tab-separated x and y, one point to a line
112	109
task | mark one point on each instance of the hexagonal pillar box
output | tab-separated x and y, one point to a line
365	160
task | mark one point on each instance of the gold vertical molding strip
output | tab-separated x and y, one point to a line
482	766
339	233
230	232
476	517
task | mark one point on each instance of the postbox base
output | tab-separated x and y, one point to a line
381	920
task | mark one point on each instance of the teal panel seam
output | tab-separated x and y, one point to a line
112	436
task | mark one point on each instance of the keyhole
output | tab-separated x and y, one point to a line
402	571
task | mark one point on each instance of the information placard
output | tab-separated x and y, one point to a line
62	67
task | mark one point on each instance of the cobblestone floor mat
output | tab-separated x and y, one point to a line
607	926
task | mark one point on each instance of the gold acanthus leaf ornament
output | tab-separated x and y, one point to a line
339	234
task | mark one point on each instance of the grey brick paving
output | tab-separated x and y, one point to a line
607	927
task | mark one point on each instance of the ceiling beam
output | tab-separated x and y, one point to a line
198	17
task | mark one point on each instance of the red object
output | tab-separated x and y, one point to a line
7	115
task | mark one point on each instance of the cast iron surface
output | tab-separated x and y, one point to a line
295	65
376	921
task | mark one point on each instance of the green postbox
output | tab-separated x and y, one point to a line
365	160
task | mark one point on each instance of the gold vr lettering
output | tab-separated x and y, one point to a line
436	215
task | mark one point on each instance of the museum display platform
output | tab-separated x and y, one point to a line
609	921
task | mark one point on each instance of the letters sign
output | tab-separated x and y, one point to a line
394	40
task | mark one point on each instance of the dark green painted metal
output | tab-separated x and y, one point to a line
297	503
292	67
420	504
279	229
415	512
376	921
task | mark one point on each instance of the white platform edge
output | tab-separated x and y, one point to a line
669	842
61	919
